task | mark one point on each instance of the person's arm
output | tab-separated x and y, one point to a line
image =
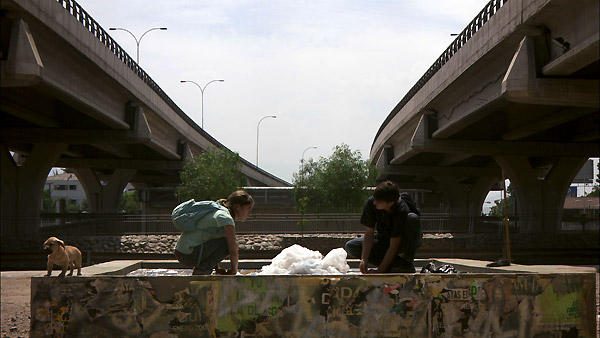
366	249
233	248
390	254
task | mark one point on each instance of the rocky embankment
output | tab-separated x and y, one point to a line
165	244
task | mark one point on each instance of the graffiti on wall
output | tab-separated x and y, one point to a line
307	306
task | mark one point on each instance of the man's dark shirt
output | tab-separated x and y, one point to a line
388	224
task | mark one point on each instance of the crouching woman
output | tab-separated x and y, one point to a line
208	232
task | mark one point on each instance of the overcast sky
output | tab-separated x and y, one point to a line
331	71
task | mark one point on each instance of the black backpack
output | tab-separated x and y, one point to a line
412	205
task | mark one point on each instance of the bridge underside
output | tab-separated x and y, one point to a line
72	98
522	107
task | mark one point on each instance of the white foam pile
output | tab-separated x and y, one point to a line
160	272
298	260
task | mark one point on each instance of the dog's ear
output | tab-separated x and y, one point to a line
61	243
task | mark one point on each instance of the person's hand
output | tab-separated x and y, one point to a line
221	271
230	272
363	266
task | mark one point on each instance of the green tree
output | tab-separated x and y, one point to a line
71	206
335	183
48	203
498	209
85	206
302	206
210	176
129	202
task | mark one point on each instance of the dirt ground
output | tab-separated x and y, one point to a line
15	302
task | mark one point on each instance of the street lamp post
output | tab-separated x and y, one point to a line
313	147
202	97
258	126
137	41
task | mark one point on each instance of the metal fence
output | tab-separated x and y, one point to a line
120	224
87	224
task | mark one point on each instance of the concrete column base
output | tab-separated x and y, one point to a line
540	190
22	187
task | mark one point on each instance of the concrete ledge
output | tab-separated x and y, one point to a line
123	267
477	266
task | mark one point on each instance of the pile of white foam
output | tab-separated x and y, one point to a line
298	260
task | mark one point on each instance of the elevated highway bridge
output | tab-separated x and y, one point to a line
515	95
72	97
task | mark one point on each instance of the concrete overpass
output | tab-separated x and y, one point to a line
72	97
517	93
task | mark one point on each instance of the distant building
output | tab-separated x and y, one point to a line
581	206
65	186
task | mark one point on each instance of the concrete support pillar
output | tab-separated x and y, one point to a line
91	186
540	191
22	187
8	173
104	197
144	196
456	195
466	199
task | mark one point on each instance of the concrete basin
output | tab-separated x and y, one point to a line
517	300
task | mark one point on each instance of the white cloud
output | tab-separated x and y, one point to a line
330	70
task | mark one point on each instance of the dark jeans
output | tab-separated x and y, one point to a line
411	240
205	257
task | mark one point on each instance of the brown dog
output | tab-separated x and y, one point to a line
66	256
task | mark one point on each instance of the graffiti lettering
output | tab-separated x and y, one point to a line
459	294
379	306
191	328
194	316
62	317
475	289
251	309
343	292
528	286
123	287
574	310
348	310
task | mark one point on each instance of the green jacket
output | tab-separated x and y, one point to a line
199	223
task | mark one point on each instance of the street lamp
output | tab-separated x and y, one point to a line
257	126
137	42
313	147
202	97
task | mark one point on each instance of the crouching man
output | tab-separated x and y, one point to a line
392	232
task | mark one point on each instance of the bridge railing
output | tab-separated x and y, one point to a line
461	39
100	33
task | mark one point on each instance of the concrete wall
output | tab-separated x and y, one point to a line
475	305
